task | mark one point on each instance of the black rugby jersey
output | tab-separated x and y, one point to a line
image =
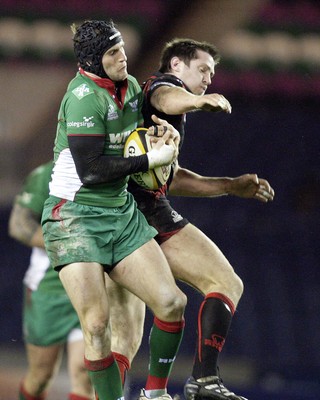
148	87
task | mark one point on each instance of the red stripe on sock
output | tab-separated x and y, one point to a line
223	298
200	330
73	396
155	383
171	327
98	365
121	358
123	364
28	396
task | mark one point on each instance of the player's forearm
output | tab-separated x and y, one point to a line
173	100
25	227
188	183
94	167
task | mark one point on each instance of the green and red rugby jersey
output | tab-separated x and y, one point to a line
91	107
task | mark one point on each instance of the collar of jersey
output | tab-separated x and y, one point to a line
110	86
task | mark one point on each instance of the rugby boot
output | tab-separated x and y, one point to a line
143	396
213	389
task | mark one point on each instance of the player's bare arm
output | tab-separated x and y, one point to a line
213	102
25	227
173	100
188	183
176	100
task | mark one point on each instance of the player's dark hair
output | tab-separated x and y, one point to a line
91	40
186	50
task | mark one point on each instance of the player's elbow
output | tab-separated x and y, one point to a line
88	179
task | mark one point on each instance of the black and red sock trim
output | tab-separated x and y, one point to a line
224	299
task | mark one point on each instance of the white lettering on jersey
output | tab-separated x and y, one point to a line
118	138
87	122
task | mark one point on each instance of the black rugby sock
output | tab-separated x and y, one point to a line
214	320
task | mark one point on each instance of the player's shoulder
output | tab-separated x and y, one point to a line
80	87
133	83
160	79
171	78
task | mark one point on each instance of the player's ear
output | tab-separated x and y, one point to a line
175	63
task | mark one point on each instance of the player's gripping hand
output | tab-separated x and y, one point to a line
164	152
213	102
162	127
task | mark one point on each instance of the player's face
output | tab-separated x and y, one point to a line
114	62
198	75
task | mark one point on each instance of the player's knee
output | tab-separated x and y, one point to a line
95	327
43	378
230	285
238	286
234	289
174	306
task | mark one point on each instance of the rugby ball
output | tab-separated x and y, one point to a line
138	143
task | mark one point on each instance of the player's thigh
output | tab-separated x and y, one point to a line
84	283
147	274
197	260
44	361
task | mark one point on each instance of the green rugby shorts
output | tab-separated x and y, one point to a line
48	318
80	233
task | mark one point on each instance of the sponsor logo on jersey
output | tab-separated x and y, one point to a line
134	105
117	140
87	123
175	216
112	113
81	91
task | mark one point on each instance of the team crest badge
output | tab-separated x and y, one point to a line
81	91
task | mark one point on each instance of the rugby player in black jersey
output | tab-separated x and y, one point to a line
187	68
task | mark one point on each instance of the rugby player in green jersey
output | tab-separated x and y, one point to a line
50	322
90	221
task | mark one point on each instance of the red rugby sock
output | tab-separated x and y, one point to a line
24	395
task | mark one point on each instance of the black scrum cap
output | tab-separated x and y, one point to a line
91	40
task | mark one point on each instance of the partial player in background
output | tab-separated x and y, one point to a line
186	70
50	322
